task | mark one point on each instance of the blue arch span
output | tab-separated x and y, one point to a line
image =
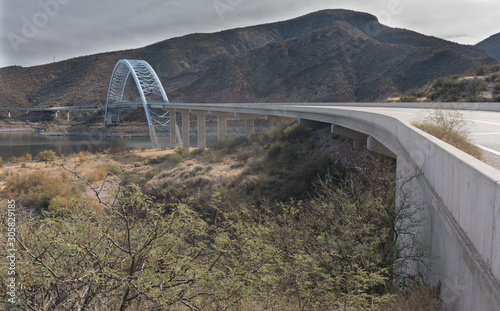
147	82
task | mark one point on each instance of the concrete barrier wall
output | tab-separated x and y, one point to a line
462	221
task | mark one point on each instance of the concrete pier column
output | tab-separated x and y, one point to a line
202	131
57	113
185	129
9	114
376	146
359	139
175	137
249	127
221	128
67	116
173	123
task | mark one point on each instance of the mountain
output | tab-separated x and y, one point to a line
492	45
330	55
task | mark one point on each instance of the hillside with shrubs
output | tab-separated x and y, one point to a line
480	85
292	219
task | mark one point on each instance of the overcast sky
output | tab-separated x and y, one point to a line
33	32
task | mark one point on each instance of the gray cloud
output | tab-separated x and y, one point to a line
33	32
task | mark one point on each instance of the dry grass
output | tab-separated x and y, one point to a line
418	297
456	139
450	126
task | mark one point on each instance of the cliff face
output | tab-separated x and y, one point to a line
332	55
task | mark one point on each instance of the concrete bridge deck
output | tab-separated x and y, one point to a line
461	193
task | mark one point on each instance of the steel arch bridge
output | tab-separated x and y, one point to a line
148	84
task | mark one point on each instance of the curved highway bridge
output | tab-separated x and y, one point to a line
461	193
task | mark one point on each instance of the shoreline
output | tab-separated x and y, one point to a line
18	130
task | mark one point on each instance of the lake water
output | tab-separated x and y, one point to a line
19	144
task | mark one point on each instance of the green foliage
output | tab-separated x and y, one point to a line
496	87
113	169
46	156
174	158
481	71
212	156
36	190
230	143
340	248
296	132
408	99
117	149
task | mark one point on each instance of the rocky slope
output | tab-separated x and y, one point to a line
331	55
492	45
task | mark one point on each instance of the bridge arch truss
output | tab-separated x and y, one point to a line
148	85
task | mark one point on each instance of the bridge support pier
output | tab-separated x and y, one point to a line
202	131
185	129
175	136
221	128
249	127
360	139
57	112
222	118
9	115
374	145
67	116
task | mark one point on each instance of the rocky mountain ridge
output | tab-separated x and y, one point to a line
330	55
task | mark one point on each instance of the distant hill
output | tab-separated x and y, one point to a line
492	45
331	55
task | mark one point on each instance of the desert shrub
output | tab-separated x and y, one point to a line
213	156
176	158
450	126
17	160
274	150
28	157
36	190
416	297
225	143
156	160
196	152
46	156
449	90
82	157
408	99
481	71
113	169
182	152
1	162
496	87
61	205
117	149
97	174
477	86
296	132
